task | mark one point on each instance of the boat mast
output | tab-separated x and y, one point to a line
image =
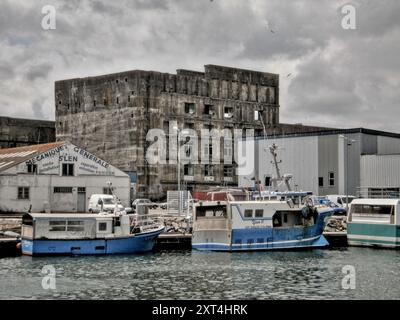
276	163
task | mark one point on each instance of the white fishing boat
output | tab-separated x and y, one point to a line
84	234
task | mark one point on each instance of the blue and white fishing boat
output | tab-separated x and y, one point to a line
80	234
258	225
267	220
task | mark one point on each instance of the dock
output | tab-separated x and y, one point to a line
336	238
174	241
10	247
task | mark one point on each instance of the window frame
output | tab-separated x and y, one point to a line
246	213
331	179
23	193
209	170
257	211
68	172
63	190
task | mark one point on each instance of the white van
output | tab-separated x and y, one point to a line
340	200
105	202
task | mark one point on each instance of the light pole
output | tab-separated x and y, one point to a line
349	142
179	167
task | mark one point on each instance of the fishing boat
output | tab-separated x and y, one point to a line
258	225
76	234
79	234
374	222
265	220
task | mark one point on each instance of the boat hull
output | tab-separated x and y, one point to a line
138	243
373	235
282	242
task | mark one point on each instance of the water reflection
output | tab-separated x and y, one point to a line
313	274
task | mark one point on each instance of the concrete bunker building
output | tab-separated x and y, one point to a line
111	115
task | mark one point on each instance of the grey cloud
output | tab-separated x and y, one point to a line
37	108
339	77
38	71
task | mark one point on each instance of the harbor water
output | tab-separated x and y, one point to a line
311	274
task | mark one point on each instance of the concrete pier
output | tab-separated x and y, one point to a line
9	247
174	241
336	239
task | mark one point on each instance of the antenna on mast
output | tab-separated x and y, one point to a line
275	162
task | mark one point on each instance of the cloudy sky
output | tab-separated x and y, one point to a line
329	76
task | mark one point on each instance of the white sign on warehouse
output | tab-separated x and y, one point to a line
56	177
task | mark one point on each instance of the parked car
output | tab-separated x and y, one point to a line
145	202
105	202
338	210
340	200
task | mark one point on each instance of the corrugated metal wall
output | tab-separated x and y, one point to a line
380	171
299	157
328	162
310	157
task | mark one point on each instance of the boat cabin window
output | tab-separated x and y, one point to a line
57	225
102	226
287	218
259	213
372	209
62	225
248	213
211	211
75	225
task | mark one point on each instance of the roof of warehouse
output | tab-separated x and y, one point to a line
13	156
333	132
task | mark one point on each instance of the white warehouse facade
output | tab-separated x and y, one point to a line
380	176
56	177
329	162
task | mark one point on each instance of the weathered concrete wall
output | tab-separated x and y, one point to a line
110	116
16	132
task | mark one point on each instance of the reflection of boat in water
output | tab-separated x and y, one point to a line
264	221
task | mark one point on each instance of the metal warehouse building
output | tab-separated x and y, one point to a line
365	162
56	177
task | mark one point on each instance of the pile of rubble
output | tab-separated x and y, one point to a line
336	224
177	224
13	225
